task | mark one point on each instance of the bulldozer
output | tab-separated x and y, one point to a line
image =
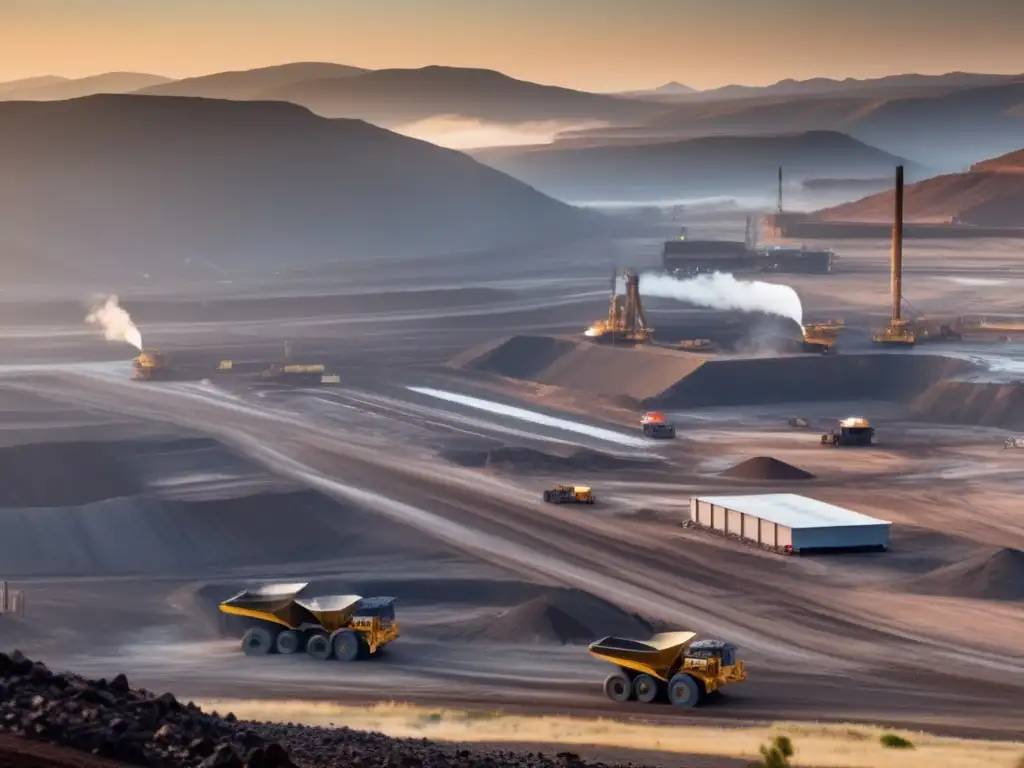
343	627
853	431
569	494
150	365
626	321
654	425
674	666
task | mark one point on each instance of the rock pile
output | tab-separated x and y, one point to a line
133	726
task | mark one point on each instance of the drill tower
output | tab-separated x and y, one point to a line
626	318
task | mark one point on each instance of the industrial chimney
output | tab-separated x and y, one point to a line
897	248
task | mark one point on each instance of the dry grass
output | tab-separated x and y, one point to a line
822	746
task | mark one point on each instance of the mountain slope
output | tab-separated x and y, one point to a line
717	165
251	83
109	82
108	184
991	194
393	97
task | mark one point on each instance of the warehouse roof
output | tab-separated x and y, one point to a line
793	511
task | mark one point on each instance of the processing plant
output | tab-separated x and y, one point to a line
345	627
673	666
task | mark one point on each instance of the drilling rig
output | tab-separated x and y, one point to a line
899	332
626	319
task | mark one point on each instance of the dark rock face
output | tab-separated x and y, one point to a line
134	726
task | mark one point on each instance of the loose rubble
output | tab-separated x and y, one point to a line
109	719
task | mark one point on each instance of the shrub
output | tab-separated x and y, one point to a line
893	741
778	754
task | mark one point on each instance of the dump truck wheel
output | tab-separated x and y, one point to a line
618	688
319	646
257	641
683	691
645	689
288	642
347	645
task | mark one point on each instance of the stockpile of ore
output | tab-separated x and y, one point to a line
109	719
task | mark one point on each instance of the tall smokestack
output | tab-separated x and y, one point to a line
897	247
780	190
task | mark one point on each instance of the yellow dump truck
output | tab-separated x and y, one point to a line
853	431
344	627
674	666
569	494
149	365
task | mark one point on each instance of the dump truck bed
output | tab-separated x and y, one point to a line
653	657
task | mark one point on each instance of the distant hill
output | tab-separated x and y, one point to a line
252	84
668	91
944	129
394	97
991	194
126	184
54	89
711	166
31	82
819	86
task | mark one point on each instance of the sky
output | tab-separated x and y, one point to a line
599	45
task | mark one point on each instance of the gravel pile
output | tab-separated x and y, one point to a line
110	719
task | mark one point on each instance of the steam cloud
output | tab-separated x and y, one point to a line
723	291
116	323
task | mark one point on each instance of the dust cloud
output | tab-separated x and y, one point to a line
116	323
457	132
719	290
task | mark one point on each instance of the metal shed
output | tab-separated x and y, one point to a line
787	522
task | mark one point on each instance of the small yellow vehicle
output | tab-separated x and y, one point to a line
569	494
345	627
673	666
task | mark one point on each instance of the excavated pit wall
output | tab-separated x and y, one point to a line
666	378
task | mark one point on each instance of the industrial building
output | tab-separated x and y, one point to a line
789	523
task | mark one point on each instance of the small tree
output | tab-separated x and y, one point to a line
778	754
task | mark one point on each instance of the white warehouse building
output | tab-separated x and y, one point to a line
786	522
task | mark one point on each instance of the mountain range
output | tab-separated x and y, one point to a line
945	122
709	166
115	184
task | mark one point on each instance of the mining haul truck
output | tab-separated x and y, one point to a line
654	425
569	494
852	432
343	627
674	666
149	365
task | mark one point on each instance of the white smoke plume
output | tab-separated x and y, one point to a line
116	323
720	290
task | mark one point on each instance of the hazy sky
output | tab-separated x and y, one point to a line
591	44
